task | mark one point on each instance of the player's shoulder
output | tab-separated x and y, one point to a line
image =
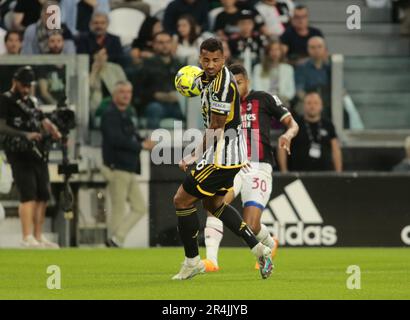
265	96
223	80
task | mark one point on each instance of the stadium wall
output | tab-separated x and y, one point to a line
348	210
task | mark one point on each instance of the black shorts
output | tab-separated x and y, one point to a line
32	180
209	181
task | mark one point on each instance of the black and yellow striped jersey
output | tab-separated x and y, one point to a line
220	95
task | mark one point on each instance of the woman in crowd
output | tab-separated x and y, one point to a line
273	75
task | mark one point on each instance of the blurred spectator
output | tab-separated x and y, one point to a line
247	38
226	22
187	40
227	53
404	6
158	88
314	74
142	45
121	155
286	9
104	75
294	39
316	147
85	10
99	38
273	75
404	165
13	42
3	34
26	13
197	8
271	16
35	39
52	78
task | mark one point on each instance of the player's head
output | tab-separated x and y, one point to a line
242	79
23	81
211	56
312	105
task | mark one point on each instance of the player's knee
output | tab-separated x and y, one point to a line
254	225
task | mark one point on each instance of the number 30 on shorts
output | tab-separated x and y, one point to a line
258	183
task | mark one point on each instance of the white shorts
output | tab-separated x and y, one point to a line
254	186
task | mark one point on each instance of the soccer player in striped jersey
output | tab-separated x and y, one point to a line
218	159
255	185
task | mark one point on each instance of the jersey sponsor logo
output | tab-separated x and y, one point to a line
294	219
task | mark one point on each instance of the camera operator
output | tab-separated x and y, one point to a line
26	130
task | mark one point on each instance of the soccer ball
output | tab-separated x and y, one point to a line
187	81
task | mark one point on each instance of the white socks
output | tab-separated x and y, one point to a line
265	237
192	261
213	238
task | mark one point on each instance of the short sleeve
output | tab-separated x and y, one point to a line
223	93
275	107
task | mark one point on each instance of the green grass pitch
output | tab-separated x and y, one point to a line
304	273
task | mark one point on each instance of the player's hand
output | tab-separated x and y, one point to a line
56	134
183	165
33	136
284	143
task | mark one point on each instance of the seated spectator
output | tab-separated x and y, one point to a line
315	73
121	156
187	40
404	165
85	10
99	38
273	75
158	88
26	13
142	45
13	42
103	77
197	8
52	78
35	39
294	39
247	38
316	147
271	16
226	22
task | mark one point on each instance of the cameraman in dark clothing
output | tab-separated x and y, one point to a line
24	127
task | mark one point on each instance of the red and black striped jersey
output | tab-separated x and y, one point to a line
257	111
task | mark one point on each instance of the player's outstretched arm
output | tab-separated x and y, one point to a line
284	142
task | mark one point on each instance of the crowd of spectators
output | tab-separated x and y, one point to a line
274	34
